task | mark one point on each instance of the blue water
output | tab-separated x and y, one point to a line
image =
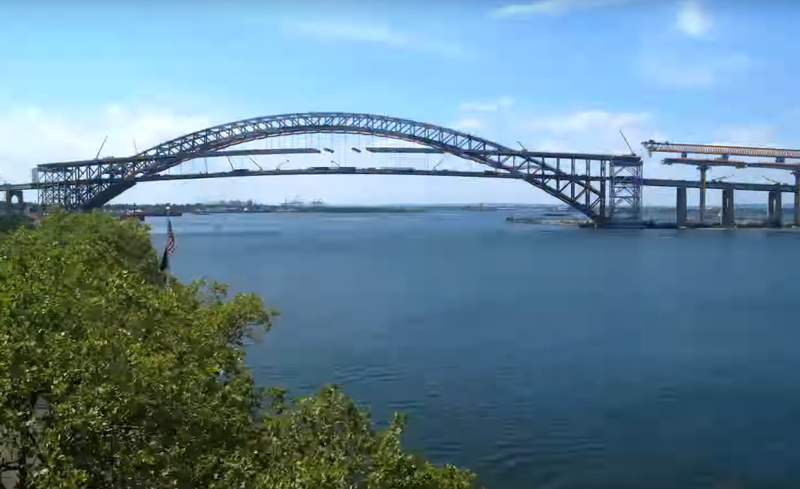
540	357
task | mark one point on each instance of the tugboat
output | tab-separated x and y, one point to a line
132	215
557	212
167	212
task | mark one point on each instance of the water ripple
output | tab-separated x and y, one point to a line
541	358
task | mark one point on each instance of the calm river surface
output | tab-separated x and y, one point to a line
540	357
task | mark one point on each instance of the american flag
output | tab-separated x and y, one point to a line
170	238
169	248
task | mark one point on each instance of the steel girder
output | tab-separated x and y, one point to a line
66	187
625	182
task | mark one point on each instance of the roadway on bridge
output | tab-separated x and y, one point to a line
647	182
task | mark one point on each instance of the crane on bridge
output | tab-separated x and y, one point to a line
724	153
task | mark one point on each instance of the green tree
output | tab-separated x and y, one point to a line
10	222
115	376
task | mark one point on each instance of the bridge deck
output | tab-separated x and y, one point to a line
792	166
200	154
647	182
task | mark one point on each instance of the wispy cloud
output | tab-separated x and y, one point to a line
587	120
550	7
467	123
670	63
488	106
692	19
586	130
692	72
374	34
751	135
32	135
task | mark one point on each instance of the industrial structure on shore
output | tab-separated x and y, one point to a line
605	188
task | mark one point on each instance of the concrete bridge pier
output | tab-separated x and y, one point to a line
796	220
775	208
11	194
680	206
703	173
728	218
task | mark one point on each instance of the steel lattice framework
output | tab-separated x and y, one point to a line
84	186
625	187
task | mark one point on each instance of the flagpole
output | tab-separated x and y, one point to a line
164	267
169	248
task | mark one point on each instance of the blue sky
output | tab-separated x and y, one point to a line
553	74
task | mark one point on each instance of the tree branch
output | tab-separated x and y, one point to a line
9	466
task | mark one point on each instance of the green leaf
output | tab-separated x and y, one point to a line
120	377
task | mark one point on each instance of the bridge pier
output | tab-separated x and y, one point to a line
796	220
703	172
11	194
603	210
775	208
680	206
728	218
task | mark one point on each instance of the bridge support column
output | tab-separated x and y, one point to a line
796	220
728	219
775	208
770	206
703	171
603	208
680	206
10	194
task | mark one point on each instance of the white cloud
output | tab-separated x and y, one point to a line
669	64
692	72
372	33
488	106
692	20
759	135
597	131
588	121
30	136
467	123
551	7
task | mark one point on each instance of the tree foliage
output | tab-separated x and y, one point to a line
115	376
10	222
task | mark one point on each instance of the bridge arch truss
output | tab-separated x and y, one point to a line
567	177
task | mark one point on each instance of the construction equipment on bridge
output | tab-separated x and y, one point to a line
725	152
602	186
400	149
46	167
681	185
102	145
633	153
89	185
780	155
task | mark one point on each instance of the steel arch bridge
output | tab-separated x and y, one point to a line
91	184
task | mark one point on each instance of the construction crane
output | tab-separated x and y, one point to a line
725	152
780	155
